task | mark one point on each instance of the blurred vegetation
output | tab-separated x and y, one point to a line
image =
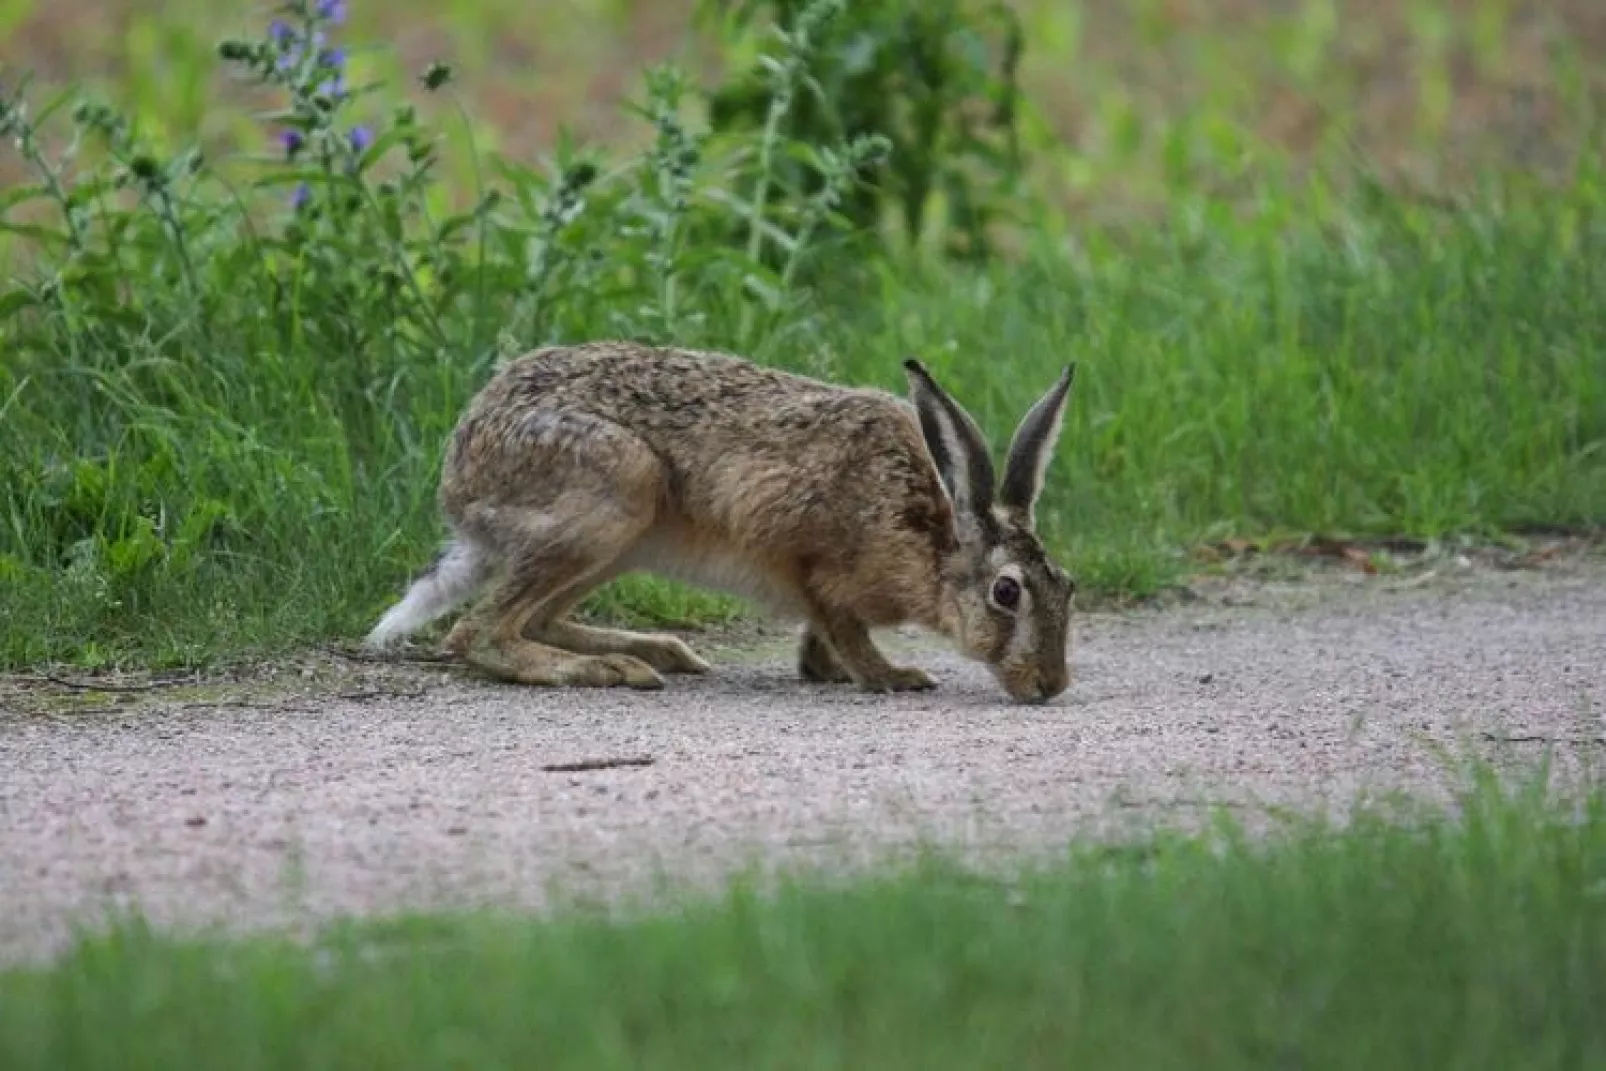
938	78
1117	96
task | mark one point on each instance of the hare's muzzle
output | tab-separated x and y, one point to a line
1043	686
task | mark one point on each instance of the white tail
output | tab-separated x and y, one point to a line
455	575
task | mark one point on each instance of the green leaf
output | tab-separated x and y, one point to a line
14	301
35	232
21	195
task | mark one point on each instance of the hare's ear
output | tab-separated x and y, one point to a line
956	444
1032	447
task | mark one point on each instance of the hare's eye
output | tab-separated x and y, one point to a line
1006	592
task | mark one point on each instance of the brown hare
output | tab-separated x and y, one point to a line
847	508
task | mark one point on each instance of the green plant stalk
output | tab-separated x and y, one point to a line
174	229
477	176
28	148
404	268
760	202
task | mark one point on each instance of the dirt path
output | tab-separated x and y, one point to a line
376	788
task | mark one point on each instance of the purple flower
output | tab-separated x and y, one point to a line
332	10
279	31
301	196
292	141
333	57
333	88
361	138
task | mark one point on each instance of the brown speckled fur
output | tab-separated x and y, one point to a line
576	464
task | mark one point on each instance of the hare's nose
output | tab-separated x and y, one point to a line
1052	684
1039	692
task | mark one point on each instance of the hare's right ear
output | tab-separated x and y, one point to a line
956	445
1031	449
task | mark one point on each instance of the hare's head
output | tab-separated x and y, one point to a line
1005	602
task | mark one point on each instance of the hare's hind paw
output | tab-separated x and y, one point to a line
615	669
667	654
598	671
538	664
671	655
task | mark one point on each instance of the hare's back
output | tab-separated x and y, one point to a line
726	426
682	400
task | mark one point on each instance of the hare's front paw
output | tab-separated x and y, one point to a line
817	663
901	679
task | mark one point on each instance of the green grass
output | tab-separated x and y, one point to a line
1473	942
1438	377
221	422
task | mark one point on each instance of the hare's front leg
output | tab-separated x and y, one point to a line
857	654
817	662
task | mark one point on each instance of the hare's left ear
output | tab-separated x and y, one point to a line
956	445
1031	449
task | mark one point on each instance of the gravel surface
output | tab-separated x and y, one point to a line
332	787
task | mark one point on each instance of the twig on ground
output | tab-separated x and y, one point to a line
365	694
244	704
585	765
1497	738
107	686
352	654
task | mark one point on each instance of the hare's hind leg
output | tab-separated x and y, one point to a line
556	551
546	578
668	654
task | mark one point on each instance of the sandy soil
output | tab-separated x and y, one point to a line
335	787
